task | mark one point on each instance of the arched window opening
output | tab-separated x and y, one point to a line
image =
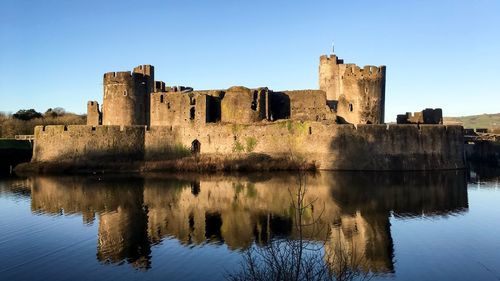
195	188
254	102
195	147
350	107
192	113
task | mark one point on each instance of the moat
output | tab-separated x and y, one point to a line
401	226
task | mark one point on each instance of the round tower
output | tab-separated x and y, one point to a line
126	96
359	92
362	99
329	76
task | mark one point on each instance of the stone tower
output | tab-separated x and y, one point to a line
359	92
127	96
93	113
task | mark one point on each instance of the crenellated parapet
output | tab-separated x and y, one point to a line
117	76
324	59
159	86
367	72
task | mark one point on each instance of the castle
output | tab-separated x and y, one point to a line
340	126
347	94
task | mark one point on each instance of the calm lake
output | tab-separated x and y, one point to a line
402	226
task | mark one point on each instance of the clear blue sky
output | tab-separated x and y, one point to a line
438	53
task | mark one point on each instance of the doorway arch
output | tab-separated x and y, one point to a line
195	147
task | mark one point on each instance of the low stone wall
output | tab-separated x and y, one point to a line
77	143
330	146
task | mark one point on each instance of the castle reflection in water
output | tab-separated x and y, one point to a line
136	213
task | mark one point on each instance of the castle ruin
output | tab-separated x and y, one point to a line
340	126
348	94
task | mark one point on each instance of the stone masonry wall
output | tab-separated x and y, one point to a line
309	105
242	105
59	143
426	116
175	108
93	113
331	146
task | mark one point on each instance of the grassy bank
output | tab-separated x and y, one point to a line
204	163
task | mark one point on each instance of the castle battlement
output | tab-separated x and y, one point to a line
325	59
79	129
117	75
245	129
145	69
367	72
114	77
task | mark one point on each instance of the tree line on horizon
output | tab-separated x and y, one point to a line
23	122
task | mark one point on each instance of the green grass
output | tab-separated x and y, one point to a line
489	121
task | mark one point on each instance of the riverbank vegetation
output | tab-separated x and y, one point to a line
488	121
195	163
24	121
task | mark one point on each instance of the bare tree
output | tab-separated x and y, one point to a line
302	257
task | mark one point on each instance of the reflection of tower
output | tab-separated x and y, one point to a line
360	243
237	211
126	98
123	232
122	235
360	92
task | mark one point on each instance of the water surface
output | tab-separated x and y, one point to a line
404	226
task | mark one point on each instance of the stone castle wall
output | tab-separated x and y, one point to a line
244	105
309	105
330	146
238	105
76	143
175	108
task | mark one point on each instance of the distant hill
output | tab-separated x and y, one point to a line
490	121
